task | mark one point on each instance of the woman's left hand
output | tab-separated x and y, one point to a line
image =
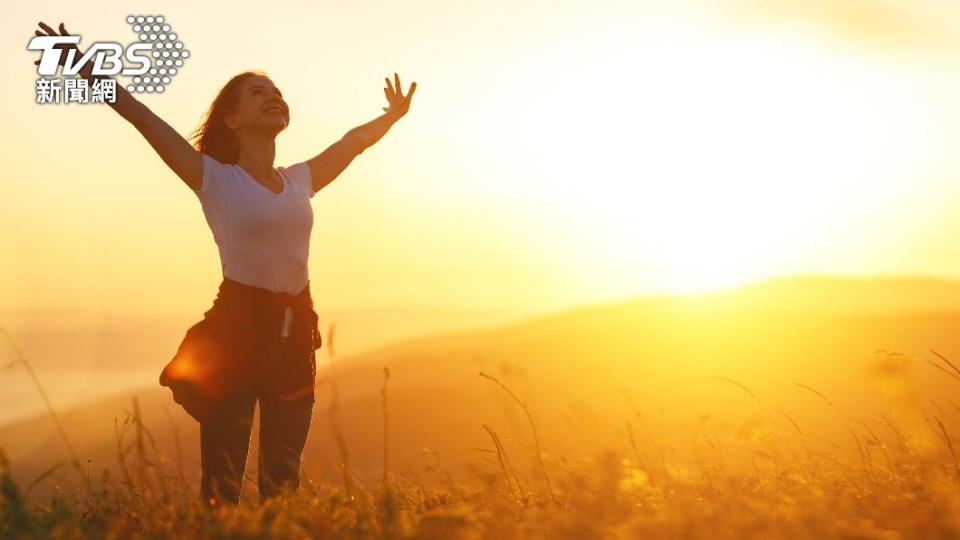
399	104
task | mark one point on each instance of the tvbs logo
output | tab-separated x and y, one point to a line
100	52
152	62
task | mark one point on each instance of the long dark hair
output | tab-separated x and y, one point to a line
213	137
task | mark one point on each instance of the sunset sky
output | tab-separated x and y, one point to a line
555	154
701	253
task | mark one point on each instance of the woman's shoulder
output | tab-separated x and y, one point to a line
215	174
300	172
213	162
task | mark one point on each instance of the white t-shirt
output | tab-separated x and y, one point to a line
263	237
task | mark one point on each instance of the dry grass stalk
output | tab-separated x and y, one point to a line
22	360
533	428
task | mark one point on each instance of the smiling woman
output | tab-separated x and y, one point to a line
257	342
249	98
261	223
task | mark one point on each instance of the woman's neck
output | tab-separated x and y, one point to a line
256	155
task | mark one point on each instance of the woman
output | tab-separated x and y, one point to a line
258	340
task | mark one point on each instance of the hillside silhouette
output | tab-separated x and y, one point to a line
863	343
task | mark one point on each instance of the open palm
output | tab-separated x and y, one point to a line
47	31
399	104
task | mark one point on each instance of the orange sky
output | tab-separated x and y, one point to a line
556	153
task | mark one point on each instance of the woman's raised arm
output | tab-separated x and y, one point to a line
327	165
174	150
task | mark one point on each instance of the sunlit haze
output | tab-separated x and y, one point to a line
556	156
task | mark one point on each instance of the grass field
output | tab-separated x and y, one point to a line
738	422
769	481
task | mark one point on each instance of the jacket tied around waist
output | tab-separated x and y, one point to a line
249	336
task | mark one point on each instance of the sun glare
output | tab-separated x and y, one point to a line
712	158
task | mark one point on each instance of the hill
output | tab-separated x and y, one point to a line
666	363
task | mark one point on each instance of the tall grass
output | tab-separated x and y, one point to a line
634	489
333	414
51	411
533	430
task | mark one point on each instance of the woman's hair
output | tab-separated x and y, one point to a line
213	137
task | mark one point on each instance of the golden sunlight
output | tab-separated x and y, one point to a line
624	268
695	158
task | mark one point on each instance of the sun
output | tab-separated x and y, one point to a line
695	160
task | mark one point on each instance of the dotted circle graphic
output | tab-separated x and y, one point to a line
166	51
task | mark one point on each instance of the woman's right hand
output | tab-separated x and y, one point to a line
63	47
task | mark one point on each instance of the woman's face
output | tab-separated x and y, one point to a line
260	107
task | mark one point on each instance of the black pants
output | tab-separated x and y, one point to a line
284	425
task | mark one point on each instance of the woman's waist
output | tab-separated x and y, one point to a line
248	308
240	296
264	269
